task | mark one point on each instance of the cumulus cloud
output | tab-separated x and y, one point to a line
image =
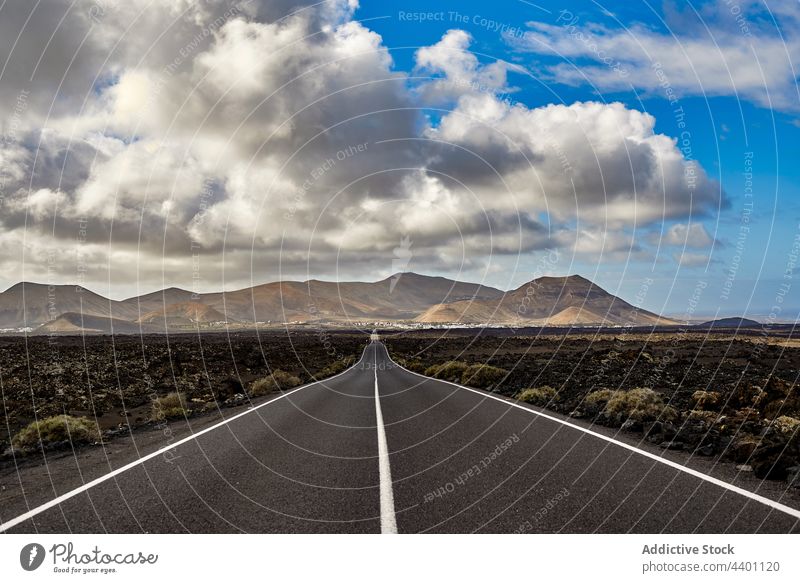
455	70
237	143
591	162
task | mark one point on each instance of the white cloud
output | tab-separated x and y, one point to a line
599	164
717	54
250	139
689	235
456	71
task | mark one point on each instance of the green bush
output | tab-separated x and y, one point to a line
278	381
169	407
482	376
451	370
638	404
540	396
51	430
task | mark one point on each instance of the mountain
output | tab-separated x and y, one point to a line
553	301
399	297
73	323
546	301
730	323
158	300
30	304
183	314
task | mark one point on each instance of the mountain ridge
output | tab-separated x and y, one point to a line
402	297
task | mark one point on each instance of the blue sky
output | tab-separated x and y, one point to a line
649	146
726	128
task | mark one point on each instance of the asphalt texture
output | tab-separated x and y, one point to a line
460	461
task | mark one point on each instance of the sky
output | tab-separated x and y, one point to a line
650	147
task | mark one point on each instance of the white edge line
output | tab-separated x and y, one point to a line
97	481
388	518
746	493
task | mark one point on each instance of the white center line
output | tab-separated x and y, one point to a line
388	519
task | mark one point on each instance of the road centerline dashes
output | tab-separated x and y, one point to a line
388	518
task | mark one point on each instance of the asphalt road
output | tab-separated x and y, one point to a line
426	456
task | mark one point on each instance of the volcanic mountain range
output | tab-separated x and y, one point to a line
403	297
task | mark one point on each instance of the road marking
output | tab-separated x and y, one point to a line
746	493
388	519
97	481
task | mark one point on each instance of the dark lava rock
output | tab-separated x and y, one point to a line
227	388
742	449
237	399
632	425
677	445
793	476
769	463
705	450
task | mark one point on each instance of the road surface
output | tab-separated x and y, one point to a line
381	449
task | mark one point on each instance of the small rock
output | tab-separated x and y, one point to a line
744	468
742	449
671	445
793	476
771	461
706	450
237	399
631	425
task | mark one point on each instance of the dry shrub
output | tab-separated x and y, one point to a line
596	401
540	396
278	381
53	430
335	368
705	399
642	405
451	370
169	407
786	425
482	376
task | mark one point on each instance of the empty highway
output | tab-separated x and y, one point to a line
381	449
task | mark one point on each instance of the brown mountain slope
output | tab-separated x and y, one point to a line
32	304
400	297
182	314
73	323
158	300
560	301
557	301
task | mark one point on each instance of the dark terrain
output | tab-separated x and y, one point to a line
721	394
721	404
116	380
726	395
